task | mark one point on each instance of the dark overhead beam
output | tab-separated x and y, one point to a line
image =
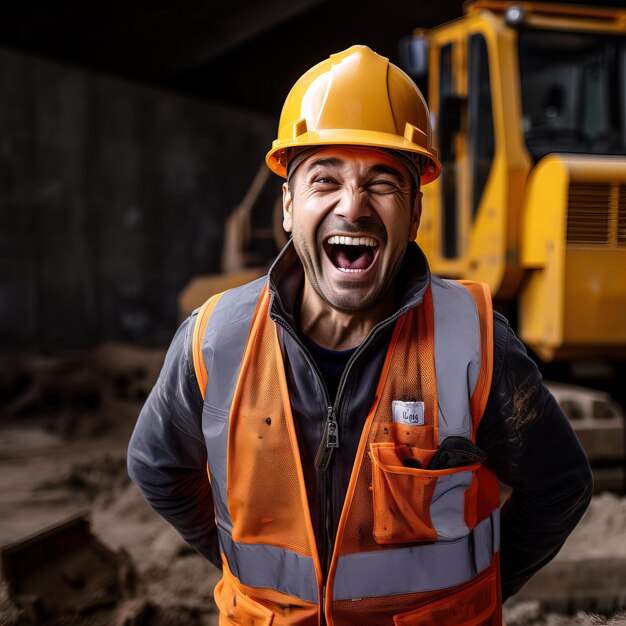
208	33
142	39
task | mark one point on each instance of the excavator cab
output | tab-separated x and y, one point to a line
571	96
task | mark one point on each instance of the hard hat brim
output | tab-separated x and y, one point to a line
277	161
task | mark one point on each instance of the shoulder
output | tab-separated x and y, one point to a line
511	361
177	378
454	299
501	331
504	340
232	307
223	319
501	322
449	286
233	300
462	293
226	307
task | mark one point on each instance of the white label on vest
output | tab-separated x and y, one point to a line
408	413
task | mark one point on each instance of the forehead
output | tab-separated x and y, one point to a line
348	157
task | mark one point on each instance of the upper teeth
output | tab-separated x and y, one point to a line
352	241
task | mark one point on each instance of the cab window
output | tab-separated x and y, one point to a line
481	133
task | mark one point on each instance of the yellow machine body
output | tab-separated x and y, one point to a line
574	247
548	233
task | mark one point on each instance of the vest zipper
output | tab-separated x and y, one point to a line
327	445
330	441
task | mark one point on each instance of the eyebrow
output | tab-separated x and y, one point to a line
332	161
388	169
375	169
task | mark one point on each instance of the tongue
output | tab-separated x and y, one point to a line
352	257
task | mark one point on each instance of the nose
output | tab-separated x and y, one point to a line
353	206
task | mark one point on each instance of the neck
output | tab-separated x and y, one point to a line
334	329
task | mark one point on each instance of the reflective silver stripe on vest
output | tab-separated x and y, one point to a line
263	566
415	569
457	355
457	365
224	343
486	541
447	507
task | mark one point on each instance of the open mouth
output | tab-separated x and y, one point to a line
351	254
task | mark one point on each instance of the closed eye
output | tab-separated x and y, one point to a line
383	186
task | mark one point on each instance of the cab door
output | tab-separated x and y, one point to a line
470	216
443	231
461	105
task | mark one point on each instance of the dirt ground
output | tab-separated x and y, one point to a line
70	460
48	479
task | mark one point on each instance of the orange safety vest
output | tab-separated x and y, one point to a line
414	547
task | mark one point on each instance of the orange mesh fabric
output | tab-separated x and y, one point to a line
398	518
473	605
471	507
408	374
487	493
235	607
240	604
260	450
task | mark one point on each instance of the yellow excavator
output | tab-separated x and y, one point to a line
528	102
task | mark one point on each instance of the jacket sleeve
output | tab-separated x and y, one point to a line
167	456
533	449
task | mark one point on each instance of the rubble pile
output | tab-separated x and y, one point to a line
99	480
531	613
166	582
65	421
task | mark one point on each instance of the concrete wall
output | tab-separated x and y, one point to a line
112	195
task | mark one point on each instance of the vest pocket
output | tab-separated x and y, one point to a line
412	504
472	605
237	608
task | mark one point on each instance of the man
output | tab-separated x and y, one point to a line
354	412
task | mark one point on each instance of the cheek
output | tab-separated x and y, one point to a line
306	222
398	223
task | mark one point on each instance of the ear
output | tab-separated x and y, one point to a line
416	214
287	209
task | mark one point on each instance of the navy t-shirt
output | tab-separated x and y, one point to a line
331	363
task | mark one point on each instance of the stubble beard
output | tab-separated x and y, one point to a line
350	299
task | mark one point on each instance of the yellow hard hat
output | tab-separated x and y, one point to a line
357	98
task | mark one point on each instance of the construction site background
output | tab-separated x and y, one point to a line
122	206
